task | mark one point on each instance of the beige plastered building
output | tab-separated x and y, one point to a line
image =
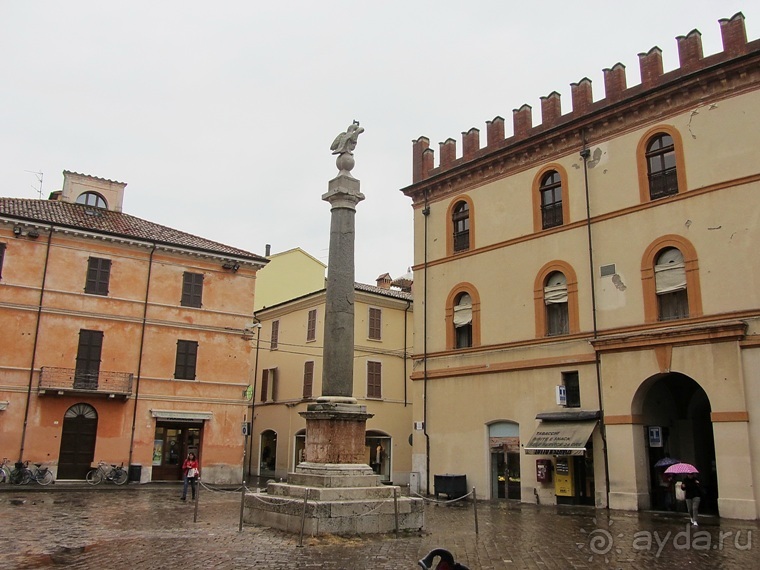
586	296
289	377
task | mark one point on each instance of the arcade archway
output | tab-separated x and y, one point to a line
675	411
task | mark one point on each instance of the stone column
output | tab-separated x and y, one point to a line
336	424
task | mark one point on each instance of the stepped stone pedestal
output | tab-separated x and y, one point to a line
342	497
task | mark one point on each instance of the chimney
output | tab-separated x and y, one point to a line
522	120
650	64
494	131
448	149
581	95
268	250
419	170
470	143
690	50
614	82
734	34
551	109
384	281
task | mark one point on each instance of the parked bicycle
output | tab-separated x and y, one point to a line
105	472
22	474
5	471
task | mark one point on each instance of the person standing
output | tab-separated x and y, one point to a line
693	493
190	473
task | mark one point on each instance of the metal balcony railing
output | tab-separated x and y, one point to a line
63	380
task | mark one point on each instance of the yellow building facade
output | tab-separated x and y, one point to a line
586	308
123	340
289	377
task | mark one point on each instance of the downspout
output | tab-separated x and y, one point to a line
34	347
257	324
585	153
425	213
406	338
140	357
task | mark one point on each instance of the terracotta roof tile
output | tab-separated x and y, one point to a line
97	220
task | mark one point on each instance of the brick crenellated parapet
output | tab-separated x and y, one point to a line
584	108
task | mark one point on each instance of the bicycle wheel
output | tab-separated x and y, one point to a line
45	478
17	475
26	476
120	476
94	476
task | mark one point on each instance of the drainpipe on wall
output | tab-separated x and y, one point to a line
585	153
257	326
140	356
406	353
34	347
426	213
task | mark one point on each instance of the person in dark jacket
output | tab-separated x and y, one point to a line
693	496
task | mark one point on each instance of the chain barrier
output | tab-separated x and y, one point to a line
437	502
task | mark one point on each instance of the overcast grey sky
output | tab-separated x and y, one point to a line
219	116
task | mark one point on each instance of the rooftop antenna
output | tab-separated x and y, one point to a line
39	176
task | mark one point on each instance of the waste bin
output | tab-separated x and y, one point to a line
135	472
453	486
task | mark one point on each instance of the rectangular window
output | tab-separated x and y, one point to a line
88	359
572	389
275	335
2	257
269	385
187	356
192	289
375	323
308	379
98	275
374	379
311	326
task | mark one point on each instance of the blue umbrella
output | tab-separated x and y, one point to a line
667	462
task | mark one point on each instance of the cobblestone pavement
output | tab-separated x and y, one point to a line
147	526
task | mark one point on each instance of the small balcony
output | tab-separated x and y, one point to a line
56	381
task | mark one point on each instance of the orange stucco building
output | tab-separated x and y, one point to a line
122	340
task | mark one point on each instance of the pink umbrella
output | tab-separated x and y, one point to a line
681	468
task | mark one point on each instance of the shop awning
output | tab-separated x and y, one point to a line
560	438
181	415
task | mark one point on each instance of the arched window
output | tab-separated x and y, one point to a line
551	200
555	297
463	321
555	300
462	317
670	285
670	280
460	221
661	166
92	199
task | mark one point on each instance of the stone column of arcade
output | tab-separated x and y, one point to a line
343	494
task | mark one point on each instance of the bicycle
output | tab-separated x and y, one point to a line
23	474
5	471
117	474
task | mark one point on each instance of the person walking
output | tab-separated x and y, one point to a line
190	473
693	493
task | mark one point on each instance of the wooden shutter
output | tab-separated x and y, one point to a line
374	387
311	325
375	323
308	379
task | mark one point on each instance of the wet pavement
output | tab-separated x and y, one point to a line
147	526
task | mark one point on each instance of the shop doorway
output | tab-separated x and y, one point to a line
378	449
268	459
504	442
676	410
171	444
78	435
